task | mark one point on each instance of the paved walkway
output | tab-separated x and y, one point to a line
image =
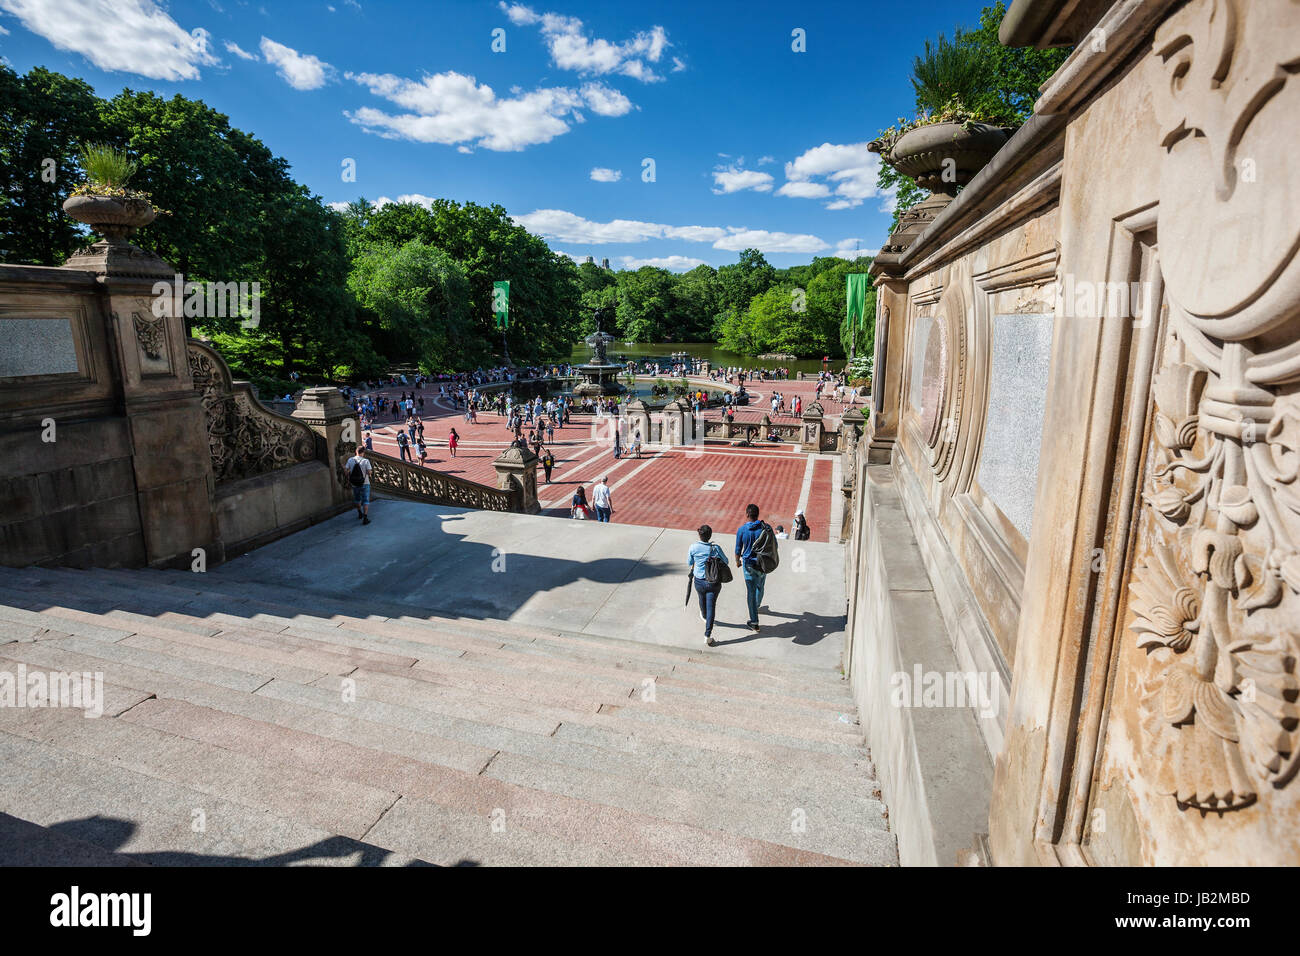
678	488
616	580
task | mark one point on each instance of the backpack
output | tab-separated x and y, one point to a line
764	552
358	475
716	569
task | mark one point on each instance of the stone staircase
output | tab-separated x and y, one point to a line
245	724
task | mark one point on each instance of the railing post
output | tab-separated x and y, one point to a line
517	472
812	428
326	412
852	423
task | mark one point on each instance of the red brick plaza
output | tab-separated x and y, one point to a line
678	487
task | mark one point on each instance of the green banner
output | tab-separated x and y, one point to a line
501	303
859	287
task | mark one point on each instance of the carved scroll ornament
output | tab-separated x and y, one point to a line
1216	593
244	439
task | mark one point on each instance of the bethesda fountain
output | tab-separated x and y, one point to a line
599	376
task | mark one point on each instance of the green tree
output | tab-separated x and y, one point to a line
1004	84
698	295
739	283
418	294
646	303
489	246
44	118
221	184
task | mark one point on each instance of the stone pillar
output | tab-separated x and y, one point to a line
852	424
886	379
164	414
638	419
811	439
328	414
674	429
517	471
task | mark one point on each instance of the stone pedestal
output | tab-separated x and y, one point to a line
327	413
638	419
852	425
811	438
517	472
675	416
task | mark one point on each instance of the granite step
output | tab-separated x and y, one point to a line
637	837
468	741
813	829
158	822
223	581
343	807
702	770
345	727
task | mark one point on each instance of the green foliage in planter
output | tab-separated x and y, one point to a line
972	78
106	166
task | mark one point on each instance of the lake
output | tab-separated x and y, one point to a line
708	351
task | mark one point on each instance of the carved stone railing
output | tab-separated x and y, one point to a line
245	438
397	477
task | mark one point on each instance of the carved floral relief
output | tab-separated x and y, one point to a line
1215	596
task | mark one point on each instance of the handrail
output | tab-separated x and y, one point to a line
397	477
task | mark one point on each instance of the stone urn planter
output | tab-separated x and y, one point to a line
927	152
115	218
110	216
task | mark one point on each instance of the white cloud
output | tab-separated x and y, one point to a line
563	226
850	167
339	206
131	36
572	49
3	32
672	263
804	190
678	65
600	174
232	47
765	241
452	108
732	179
302	71
605	100
764	160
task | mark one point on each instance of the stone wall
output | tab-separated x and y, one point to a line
1086	417
127	444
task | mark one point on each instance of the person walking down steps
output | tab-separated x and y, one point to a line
756	555
708	572
358	472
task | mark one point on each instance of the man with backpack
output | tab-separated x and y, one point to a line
756	555
358	472
403	446
709	571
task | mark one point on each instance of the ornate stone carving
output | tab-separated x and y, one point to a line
1214	594
244	439
151	333
391	474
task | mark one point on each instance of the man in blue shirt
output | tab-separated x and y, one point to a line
698	557
746	536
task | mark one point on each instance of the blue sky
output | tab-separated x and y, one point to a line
753	144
